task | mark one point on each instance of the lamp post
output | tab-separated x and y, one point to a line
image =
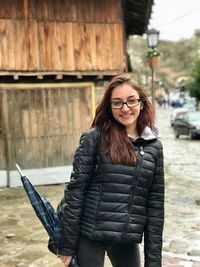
152	41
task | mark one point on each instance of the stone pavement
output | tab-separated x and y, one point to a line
23	240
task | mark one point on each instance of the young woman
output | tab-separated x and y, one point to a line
116	192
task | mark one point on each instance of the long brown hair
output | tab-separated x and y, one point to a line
114	139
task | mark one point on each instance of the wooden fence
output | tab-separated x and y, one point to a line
41	123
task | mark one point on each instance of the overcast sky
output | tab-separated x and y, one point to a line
175	19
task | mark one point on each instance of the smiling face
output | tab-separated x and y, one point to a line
125	115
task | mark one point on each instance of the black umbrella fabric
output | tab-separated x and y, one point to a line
46	214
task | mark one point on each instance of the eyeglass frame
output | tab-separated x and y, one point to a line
126	103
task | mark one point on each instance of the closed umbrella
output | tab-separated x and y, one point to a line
46	214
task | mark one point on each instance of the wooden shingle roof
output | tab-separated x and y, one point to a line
136	15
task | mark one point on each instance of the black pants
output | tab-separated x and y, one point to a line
92	253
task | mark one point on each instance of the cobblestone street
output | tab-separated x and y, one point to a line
23	240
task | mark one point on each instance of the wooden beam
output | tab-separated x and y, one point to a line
66	73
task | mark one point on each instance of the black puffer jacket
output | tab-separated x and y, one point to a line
113	202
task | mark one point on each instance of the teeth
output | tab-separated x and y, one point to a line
126	116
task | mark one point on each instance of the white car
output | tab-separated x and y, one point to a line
190	106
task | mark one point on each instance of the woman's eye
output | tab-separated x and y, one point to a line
116	103
132	101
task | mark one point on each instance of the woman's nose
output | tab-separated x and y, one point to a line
125	107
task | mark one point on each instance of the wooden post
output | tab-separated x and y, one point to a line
6	134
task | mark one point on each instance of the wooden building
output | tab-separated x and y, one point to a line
52	53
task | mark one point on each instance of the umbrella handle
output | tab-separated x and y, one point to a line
19	170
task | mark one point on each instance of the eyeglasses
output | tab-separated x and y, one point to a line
130	103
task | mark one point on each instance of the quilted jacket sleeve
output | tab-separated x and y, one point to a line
155	217
70	215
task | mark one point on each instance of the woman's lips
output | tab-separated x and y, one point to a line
126	115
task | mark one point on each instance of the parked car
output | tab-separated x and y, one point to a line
174	114
187	123
191	100
189	106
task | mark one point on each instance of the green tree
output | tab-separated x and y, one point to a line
194	84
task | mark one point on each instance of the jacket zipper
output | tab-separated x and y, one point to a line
140	158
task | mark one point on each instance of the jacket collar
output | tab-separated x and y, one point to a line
150	134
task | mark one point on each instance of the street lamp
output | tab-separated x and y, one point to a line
152	38
152	41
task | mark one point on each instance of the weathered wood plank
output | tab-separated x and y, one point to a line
3	46
33	54
61	36
67	47
6	152
62	10
43	46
